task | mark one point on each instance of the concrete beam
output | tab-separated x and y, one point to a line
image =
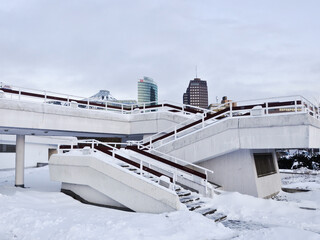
20	152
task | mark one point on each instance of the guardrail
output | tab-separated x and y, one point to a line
41	96
252	108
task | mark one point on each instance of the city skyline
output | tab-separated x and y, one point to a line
245	50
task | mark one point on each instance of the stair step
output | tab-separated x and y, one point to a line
194	207
207	211
217	217
188	199
183	194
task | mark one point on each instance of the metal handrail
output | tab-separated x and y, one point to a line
103	104
168	168
304	106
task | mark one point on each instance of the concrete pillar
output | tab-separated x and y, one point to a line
20	145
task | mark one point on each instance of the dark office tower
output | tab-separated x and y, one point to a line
197	93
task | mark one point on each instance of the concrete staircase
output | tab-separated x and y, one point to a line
127	183
197	203
192	200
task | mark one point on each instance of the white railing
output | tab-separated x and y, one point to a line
251	108
175	172
67	100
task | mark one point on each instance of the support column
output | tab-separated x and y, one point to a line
20	146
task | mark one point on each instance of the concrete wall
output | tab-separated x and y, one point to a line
91	195
36	150
16	114
268	132
127	188
236	171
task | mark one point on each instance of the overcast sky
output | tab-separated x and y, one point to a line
244	49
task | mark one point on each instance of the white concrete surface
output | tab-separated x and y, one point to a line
49	117
91	195
236	171
265	132
36	149
129	189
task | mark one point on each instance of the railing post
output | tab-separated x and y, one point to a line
313	111
267	108
88	102
121	108
19	94
113	152
131	108
141	167
206	181
58	148
203	120
144	108
295	106
175	133
106	106
45	96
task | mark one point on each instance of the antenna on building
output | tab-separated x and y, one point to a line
196	71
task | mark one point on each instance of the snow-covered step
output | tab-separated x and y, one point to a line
184	193
192	200
189	199
206	211
217	217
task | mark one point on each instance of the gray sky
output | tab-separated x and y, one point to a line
244	49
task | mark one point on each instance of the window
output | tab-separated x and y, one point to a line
7	148
264	164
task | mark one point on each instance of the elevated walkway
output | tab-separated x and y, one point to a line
232	139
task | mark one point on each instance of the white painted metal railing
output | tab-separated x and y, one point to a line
175	172
251	108
67	100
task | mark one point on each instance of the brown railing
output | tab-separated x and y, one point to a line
165	161
108	150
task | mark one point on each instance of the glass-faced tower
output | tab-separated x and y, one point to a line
147	91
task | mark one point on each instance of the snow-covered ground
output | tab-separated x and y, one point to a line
40	211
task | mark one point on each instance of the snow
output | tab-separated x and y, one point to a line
40	211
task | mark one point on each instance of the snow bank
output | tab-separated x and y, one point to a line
45	213
42	212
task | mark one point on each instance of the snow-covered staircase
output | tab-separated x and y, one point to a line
197	203
192	200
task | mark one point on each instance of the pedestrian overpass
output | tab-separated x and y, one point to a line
231	147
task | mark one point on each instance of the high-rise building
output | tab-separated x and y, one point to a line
197	93
147	91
